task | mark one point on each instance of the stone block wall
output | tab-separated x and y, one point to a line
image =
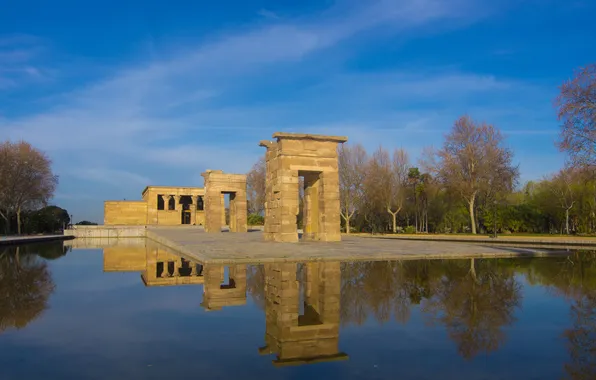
217	184
124	259
125	213
313	157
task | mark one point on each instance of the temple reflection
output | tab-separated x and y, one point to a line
217	292
158	265
302	335
302	300
305	304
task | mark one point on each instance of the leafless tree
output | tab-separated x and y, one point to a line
255	183
562	187
576	105
473	160
352	169
26	180
388	181
400	166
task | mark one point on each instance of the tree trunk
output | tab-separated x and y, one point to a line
18	220
347	218
416	210
394	218
7	222
567	221
471	208
473	269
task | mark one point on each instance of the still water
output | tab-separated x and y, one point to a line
139	312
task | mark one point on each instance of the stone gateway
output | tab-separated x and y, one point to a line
313	157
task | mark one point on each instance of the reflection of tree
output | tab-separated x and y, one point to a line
582	339
575	278
383	289
52	251
474	302
255	284
25	287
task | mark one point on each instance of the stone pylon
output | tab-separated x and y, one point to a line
315	158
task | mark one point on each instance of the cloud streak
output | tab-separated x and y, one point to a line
207	105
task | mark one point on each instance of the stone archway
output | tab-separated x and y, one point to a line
313	157
217	185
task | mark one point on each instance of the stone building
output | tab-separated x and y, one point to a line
171	206
314	158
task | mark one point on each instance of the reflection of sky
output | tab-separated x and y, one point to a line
109	325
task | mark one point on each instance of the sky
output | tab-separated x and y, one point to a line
129	93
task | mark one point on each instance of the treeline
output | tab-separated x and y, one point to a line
27	183
470	184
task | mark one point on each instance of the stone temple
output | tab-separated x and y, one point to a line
297	164
172	206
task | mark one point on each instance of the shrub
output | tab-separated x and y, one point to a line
255	220
410	230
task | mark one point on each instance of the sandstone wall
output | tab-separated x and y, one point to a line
125	213
124	259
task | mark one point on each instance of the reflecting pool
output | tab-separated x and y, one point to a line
136	310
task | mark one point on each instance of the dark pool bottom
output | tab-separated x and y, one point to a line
148	314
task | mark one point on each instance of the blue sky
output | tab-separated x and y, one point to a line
124	94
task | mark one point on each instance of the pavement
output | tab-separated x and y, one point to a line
544	240
11	240
227	247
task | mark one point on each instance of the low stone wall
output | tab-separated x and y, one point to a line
107	231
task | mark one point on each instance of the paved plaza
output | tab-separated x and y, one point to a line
250	248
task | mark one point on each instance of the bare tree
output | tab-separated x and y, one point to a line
352	169
473	160
576	106
389	176
561	185
255	183
399	178
28	181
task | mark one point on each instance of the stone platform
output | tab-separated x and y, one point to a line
237	248
13	240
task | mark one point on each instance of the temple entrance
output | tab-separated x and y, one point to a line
310	193
185	215
186	203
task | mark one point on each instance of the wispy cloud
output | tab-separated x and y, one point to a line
113	177
268	14
207	105
19	60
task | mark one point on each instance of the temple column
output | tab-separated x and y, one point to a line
177	202
193	268
166	201
193	209
164	272
176	268
223	208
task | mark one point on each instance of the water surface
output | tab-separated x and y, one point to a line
142	312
